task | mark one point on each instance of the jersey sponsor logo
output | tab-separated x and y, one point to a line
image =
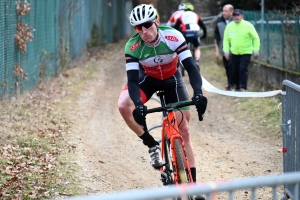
232	34
163	51
171	38
135	46
158	59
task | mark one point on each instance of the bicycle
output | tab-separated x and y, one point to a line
176	169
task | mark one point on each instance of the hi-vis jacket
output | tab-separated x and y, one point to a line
240	38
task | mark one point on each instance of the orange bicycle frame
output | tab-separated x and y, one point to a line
170	130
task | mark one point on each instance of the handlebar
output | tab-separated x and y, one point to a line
170	107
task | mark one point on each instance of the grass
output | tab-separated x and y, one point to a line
34	132
265	113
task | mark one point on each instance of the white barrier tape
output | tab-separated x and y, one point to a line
210	88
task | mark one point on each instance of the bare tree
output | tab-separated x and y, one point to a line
166	8
203	7
291	36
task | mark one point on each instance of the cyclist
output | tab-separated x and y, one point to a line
189	25
176	15
173	19
151	57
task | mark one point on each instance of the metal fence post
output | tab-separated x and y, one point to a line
291	131
282	41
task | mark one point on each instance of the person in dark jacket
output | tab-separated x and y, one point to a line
222	21
240	42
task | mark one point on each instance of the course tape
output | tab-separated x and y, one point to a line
210	88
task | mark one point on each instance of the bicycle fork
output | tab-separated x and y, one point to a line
166	171
166	177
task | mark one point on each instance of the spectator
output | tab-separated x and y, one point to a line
174	17
189	25
242	40
222	21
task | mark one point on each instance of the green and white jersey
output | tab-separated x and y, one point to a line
160	60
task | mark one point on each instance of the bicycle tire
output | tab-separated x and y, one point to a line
180	159
191	48
180	68
183	178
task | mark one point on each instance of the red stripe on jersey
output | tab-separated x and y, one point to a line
162	71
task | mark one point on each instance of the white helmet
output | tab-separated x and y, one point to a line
141	14
181	6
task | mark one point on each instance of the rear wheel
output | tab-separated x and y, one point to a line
191	48
180	68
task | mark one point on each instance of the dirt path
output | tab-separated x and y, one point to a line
112	157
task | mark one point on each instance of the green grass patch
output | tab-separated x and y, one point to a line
265	113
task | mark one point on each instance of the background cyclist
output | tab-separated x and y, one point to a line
151	58
189	25
176	15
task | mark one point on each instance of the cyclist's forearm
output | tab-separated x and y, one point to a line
133	86
194	75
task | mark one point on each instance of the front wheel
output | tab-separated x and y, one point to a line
180	159
183	176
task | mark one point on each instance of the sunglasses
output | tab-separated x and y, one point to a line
146	25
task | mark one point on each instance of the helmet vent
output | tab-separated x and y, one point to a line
141	14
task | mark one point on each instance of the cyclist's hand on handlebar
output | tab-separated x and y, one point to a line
139	114
200	102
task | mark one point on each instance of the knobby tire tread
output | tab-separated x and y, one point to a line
180	162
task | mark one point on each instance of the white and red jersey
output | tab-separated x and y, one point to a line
175	16
189	21
158	61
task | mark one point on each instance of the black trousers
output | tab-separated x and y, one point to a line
228	70
239	64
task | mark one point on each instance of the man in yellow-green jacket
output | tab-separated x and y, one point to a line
240	42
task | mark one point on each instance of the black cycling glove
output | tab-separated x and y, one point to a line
139	114
200	102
